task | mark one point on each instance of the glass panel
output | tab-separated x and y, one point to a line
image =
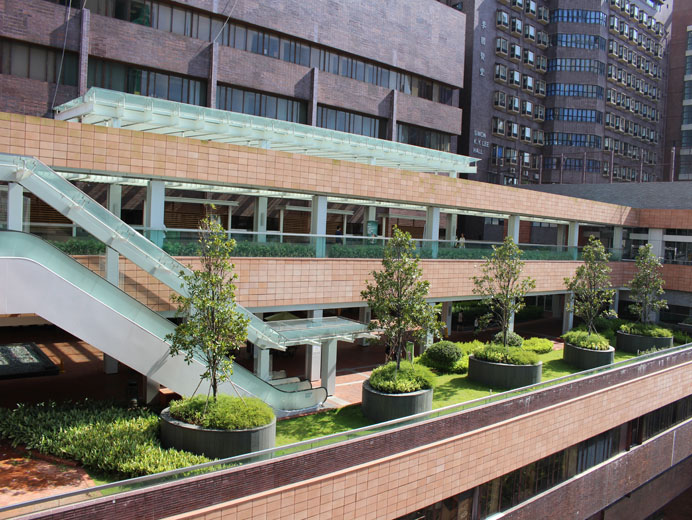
240	38
273	49
175	92
204	28
161	89
37	63
20	60
249	103
165	15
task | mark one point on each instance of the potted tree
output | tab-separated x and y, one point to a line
396	296
212	328
592	295
646	289
503	363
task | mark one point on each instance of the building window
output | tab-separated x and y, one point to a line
515	52
351	122
581	115
135	80
500	72
529	58
512	130
575	90
502	20
527	83
257	104
513	104
498	126
38	63
501	46
517	26
525	134
578	41
500	100
415	135
527	109
577	16
569	139
539	113
514	78
530	32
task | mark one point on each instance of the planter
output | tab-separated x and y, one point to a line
635	343
217	444
380	407
502	375
586	358
685	327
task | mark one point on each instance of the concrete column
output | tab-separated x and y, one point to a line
447	316
259	219
114	204
261	363
392	134
617	243
312	103
364	316
573	238
557	305
568	314
561	235
213	73
328	365
656	241
84	51
313	354
616	300
369	213
430	337
510	325
15	206
432	229
451	229
318	224
154	212
513	228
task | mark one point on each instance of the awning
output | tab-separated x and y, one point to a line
316	330
110	108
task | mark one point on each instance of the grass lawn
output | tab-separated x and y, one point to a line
449	389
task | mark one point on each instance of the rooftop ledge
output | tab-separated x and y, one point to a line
117	109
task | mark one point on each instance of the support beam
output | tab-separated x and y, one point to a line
616	301
328	365
451	229
617	243
447	316
261	363
568	314
432	229
259	219
213	73
83	51
318	224
313	355
154	211
15	206
656	241
573	239
369	215
513	228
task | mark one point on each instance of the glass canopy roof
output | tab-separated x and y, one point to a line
315	330
133	112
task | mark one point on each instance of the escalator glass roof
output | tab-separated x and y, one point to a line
314	330
133	112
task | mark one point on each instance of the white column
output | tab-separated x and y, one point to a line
259	219
510	325
114	204
447	316
617	243
616	300
369	213
513	228
152	390
154	211
432	229
656	241
282	213
568	314
318	224
430	337
328	365
573	238
557	306
261	363
15	206
451	229
313	355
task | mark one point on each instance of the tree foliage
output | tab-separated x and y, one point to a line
501	286
646	287
396	296
591	284
212	327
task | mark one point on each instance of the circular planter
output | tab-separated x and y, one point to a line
634	343
502	375
586	358
380	407
217	444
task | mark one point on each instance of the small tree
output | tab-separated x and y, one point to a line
397	297
646	287
591	284
212	327
501	287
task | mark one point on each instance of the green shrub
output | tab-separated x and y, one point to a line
646	329
442	355
360	251
681	338
181	248
471	346
226	413
103	437
512	355
461	366
538	345
80	246
409	378
687	321
244	248
513	339
604	324
581	338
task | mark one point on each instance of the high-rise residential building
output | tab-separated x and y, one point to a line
564	91
678	137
